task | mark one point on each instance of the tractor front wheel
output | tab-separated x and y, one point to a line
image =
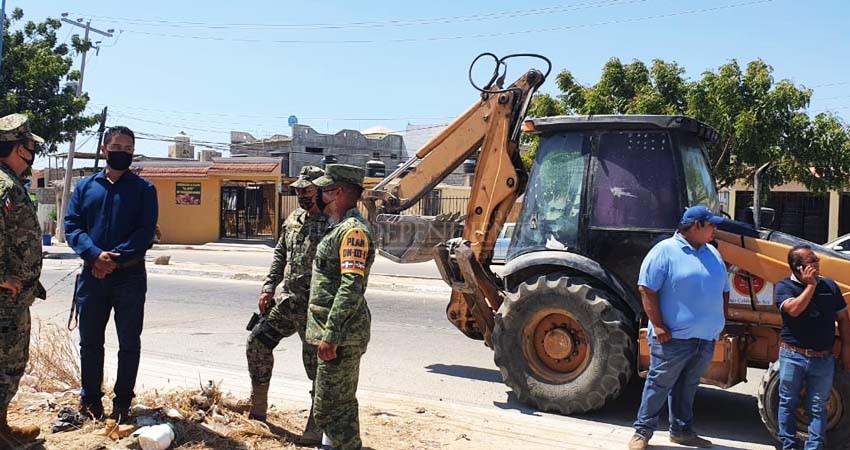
562	345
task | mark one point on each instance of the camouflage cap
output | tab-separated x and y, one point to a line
308	174
15	127
341	173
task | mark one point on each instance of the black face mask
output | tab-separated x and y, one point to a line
119	160
305	203
320	200
29	162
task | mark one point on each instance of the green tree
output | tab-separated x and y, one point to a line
34	67
757	118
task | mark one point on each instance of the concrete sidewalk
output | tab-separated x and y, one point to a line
61	257
220	246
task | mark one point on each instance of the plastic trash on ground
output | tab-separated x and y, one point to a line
157	437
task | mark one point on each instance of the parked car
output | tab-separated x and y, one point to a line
500	251
841	244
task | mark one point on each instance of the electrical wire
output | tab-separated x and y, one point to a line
265	116
368	24
455	37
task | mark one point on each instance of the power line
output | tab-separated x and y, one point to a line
144	135
183	126
372	24
267	116
836	97
838	83
456	37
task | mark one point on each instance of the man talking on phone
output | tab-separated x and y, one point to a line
810	306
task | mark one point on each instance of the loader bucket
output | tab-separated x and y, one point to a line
411	239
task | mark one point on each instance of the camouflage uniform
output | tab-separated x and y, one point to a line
292	265
338	314
20	256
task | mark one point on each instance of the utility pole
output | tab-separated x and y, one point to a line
69	166
2	27
100	132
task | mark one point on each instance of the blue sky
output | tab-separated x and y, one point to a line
174	66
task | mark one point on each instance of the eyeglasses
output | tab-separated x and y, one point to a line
814	260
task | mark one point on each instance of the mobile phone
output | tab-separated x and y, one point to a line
800	269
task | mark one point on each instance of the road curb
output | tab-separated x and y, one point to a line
393	284
380	281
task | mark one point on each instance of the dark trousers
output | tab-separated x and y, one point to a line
124	291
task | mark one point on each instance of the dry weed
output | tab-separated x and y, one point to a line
54	360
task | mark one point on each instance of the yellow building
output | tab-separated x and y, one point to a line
201	202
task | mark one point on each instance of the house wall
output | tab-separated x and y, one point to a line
188	224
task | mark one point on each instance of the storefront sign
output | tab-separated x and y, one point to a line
188	193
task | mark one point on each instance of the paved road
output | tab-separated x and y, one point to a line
194	329
263	259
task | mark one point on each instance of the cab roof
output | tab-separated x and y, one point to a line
552	124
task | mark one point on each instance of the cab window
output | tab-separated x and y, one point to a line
635	181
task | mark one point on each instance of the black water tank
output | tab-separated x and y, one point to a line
328	159
376	169
469	166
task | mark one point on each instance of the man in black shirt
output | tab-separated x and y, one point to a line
810	306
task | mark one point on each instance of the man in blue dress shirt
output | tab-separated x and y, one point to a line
685	289
110	223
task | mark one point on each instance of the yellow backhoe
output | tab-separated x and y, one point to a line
564	316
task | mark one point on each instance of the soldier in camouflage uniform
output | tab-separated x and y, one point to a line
287	315
338	319
20	267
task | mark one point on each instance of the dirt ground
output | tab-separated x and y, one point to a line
221	429
52	382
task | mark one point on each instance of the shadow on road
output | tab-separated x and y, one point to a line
472	373
47	254
718	414
514	403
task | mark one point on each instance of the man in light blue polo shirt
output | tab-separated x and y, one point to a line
685	289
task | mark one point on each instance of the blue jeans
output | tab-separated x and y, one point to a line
674	372
795	372
124	291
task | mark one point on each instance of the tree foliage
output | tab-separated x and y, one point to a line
758	118
35	65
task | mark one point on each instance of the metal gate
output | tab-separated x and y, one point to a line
844	213
247	211
801	214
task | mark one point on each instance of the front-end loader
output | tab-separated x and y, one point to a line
564	316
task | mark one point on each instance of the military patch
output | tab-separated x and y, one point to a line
6	201
353	251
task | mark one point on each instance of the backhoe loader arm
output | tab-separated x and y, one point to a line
491	125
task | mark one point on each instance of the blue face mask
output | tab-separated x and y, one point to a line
119	160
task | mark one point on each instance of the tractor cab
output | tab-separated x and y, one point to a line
608	187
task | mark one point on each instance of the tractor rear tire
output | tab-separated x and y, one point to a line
562	346
838	428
